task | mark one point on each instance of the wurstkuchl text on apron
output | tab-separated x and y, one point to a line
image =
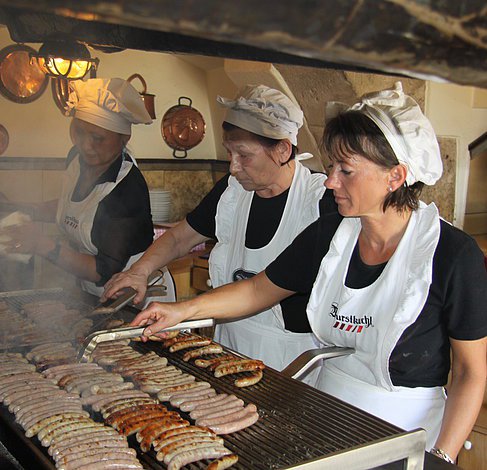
372	319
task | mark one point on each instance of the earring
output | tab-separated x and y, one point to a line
389	188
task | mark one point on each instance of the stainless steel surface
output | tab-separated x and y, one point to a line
408	447
300	426
92	340
305	361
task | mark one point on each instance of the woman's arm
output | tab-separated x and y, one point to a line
173	244
38	211
465	394
30	239
238	299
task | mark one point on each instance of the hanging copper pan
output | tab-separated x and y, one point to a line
182	127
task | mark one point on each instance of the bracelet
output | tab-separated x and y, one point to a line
442	454
53	255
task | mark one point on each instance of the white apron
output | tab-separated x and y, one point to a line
372	320
75	219
262	336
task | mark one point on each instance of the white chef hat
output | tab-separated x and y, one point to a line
111	103
264	111
407	130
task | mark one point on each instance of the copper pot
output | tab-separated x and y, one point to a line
183	127
147	98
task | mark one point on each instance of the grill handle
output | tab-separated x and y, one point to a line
305	361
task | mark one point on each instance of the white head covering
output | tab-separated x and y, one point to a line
113	104
407	130
264	111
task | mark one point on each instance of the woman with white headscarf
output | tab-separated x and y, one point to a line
390	279
253	213
104	208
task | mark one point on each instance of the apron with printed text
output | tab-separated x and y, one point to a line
262	336
75	219
372	319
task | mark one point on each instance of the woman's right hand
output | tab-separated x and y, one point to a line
130	278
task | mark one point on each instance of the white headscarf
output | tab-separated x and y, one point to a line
407	130
264	111
113	104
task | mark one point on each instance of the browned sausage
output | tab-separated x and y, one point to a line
212	348
205	363
240	366
249	380
191	343
223	462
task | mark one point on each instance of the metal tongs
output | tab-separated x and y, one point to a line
92	340
111	307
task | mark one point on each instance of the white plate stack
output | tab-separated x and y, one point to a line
160	203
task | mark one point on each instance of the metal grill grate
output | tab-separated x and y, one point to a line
297	423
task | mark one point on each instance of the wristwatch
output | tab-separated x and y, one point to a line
53	255
441	454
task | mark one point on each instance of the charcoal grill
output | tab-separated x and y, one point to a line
299	427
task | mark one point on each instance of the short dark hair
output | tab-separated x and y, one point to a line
266	142
354	132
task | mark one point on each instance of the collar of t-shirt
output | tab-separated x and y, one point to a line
264	218
361	275
110	175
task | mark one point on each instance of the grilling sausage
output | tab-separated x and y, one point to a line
212	348
238	366
193	404
234	426
223	462
247	381
192	456
204	363
190	343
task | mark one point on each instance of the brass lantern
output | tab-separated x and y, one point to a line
65	58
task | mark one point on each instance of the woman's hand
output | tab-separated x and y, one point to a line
465	394
130	278
25	238
158	316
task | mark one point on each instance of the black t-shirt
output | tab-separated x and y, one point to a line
122	226
264	218
455	307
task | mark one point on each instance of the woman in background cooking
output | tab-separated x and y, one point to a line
253	213
104	209
390	279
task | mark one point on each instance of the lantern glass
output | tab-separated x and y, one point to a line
74	64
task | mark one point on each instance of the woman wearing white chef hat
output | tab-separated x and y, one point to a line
253	213
390	279
104	208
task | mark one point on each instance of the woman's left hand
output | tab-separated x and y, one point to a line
160	315
24	238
